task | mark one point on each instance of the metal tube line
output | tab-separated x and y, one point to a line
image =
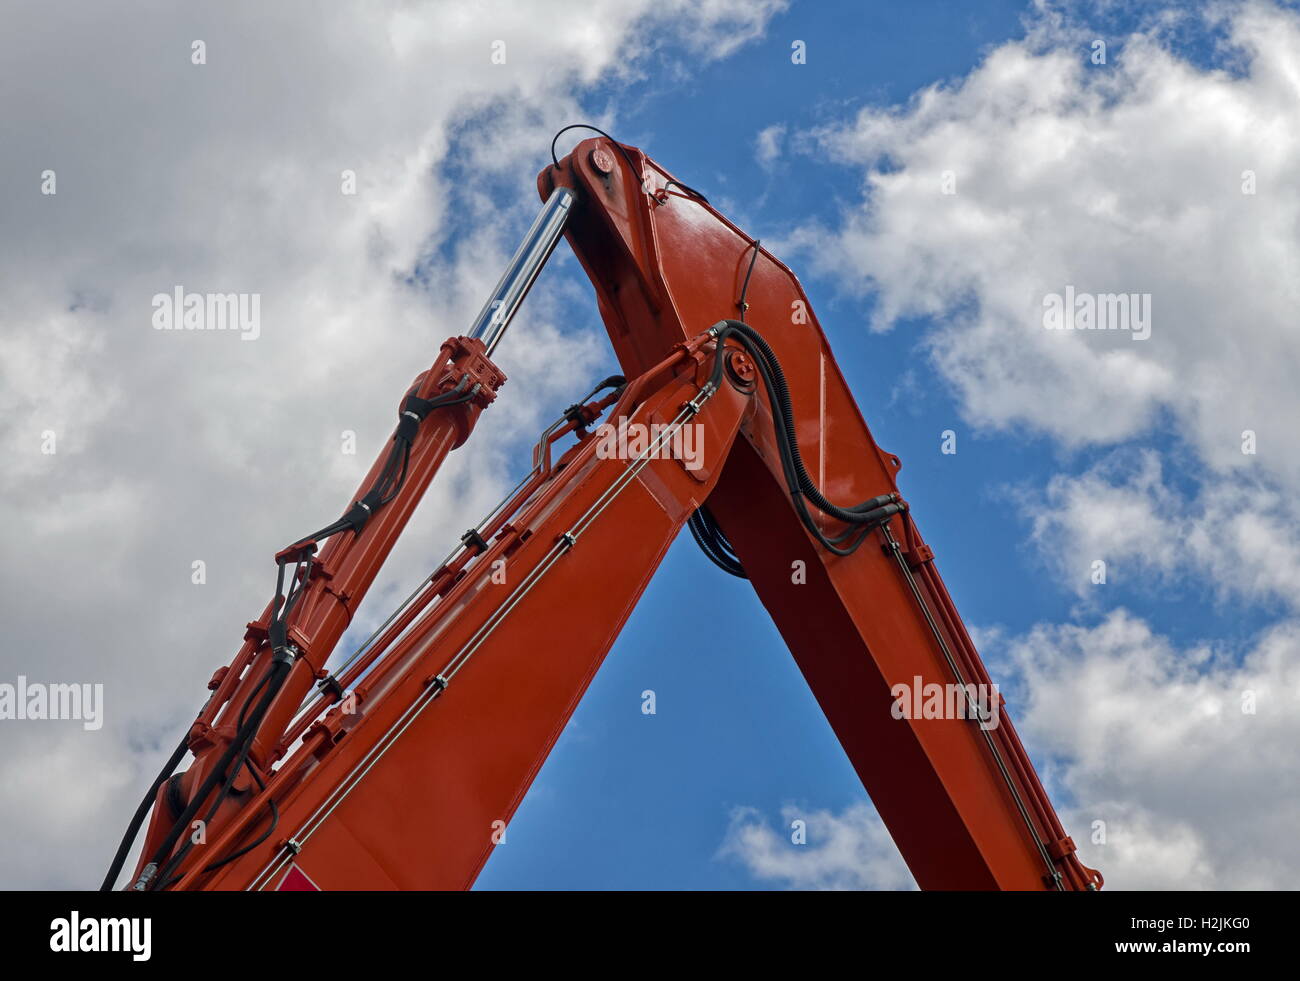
294	845
519	276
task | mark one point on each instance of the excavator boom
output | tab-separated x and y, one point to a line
402	767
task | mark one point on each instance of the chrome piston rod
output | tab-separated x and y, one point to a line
519	276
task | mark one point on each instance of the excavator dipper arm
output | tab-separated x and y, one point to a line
411	784
959	796
404	768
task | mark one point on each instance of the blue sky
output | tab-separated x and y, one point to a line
1169	169
635	801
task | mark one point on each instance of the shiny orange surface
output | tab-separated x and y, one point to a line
411	786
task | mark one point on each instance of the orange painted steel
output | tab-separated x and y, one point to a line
408	781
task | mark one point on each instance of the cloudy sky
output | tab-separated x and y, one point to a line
931	172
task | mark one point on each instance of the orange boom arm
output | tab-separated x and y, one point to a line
403	767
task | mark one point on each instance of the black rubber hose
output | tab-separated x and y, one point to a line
270	830
238	746
864	516
124	849
714	544
854	514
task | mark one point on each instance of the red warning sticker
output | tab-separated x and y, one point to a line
296	880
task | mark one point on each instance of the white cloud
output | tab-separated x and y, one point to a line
1125	177
848	850
1129	730
1123	516
1152	739
1239	541
767	145
180	446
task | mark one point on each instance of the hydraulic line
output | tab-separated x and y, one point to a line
157	872
861	518
441	681
866	516
713	543
972	709
124	849
703	526
238	746
270	829
570	414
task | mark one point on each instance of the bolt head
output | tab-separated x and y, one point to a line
742	366
602	160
